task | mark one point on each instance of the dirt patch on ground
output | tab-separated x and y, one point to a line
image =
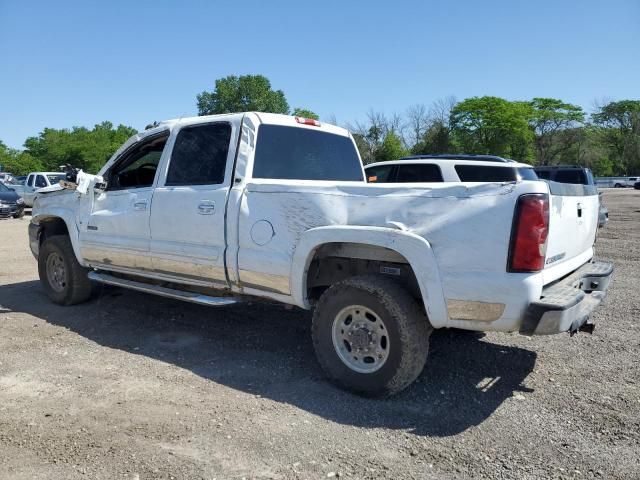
134	386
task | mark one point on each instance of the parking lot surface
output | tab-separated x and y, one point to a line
134	386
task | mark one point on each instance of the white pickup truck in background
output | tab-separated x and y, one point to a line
34	182
215	209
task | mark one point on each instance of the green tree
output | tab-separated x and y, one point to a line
619	126
493	125
79	146
242	94
305	113
553	123
437	139
17	162
391	148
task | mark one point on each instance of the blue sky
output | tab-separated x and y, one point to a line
67	63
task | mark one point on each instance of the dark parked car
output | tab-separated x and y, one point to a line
576	175
11	205
636	185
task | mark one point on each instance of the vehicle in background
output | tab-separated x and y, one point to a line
34	182
574	174
11	205
223	208
636	185
19	180
449	168
616	182
6	177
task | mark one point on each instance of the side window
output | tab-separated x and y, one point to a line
483	173
137	167
30	180
40	182
381	174
419	173
200	154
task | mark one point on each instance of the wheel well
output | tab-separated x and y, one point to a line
333	262
52	226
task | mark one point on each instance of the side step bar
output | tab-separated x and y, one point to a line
163	291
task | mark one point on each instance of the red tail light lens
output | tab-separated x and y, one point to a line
529	234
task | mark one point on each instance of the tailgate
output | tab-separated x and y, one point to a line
573	221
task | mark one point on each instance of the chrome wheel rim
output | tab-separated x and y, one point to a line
56	273
360	339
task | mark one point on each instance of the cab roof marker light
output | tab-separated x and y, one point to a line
308	121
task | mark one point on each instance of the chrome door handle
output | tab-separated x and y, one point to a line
206	208
140	206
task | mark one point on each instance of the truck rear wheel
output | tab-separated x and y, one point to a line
62	277
370	335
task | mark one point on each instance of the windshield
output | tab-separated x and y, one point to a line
4	188
53	179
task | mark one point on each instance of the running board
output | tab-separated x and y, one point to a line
163	291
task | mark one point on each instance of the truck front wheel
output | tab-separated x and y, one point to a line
62	277
370	335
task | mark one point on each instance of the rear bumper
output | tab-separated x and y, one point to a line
565	306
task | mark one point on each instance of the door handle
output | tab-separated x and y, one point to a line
140	206
206	208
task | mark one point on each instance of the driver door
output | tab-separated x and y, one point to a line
116	234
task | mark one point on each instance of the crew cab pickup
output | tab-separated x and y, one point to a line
216	209
34	182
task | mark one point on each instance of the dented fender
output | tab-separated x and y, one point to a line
68	216
414	248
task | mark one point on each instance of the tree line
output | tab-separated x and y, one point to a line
540	131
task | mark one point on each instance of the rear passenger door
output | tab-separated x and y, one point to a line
188	210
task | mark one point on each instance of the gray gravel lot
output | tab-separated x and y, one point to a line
140	387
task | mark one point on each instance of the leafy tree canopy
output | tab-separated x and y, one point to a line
391	148
492	125
242	94
306	113
79	146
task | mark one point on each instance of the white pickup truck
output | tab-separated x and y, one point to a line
34	182
216	209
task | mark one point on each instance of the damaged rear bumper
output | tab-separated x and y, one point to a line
565	306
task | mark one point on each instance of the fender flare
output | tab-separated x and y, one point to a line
68	217
414	248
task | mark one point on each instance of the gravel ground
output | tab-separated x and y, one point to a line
139	387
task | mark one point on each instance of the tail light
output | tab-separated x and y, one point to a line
308	121
529	233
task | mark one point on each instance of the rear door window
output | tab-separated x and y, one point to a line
305	154
485	173
381	174
200	155
421	172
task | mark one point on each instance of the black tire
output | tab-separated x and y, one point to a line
19	215
73	286
617	185
407	328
